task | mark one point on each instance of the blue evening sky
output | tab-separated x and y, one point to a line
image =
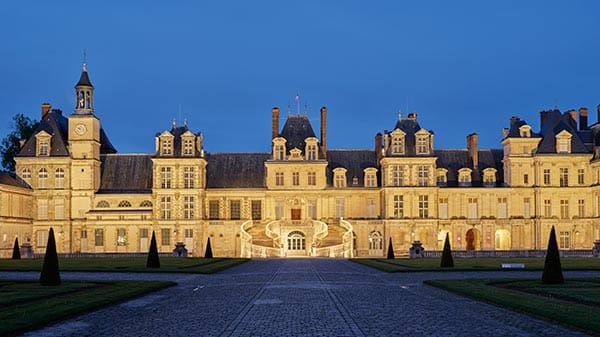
463	66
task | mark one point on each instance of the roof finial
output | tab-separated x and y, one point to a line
297	99
399	115
305	108
84	60
174	122
185	122
289	107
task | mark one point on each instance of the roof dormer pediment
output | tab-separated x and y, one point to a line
422	132
398	133
564	134
43	134
166	134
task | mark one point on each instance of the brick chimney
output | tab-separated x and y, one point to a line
46	107
583	118
275	122
378	145
473	149
324	131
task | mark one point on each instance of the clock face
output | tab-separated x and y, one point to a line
80	129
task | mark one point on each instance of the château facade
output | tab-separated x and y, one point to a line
302	198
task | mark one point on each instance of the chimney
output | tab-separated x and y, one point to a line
45	108
543	118
324	130
583	118
573	114
473	149
275	122
513	120
378	145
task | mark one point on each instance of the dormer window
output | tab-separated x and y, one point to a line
311	148
489	177
278	148
422	138
464	177
397	142
370	177
166	146
188	147
295	154
563	142
43	143
441	177
339	177
525	131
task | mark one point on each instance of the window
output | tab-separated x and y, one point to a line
489	177
279	152
42	178
59	209
396	175
371	208
99	237
423	175
441	178
42	209
311	151
581	176
564	240
581	208
464	177
422	145
339	177
213	209
44	148
472	208
188	233
146	203
296	178
547	208
279	178
234	209
279	208
312	209
188	177
375	241
165	237
370	179
563	145
256	209
526	208
564	177
42	238
188	206
26	175
397	145
121	237
546	176
83	234
423	206
502	208
296	241
312	178
398	206
165	204
340	208
443	208
102	204
526	179
124	203
564	209
59	178
165	177
188	147
167	147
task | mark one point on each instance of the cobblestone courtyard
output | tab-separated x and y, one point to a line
301	297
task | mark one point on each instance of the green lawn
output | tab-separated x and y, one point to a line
25	305
575	303
474	264
127	264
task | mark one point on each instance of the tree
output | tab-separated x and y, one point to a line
23	128
390	253
208	253
153	260
552	269
447	260
50	275
16	251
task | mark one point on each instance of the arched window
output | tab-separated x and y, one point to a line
59	178
102	204
375	241
146	203
42	178
26	174
124	203
296	241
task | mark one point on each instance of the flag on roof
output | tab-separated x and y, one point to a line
297	98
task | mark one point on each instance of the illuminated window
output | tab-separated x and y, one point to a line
443	208
44	148
564	177
375	240
472	208
502	208
121	237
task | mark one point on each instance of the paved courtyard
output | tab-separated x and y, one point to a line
301	297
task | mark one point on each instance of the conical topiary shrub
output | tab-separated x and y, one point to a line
153	261
16	251
447	260
390	253
50	275
208	254
552	270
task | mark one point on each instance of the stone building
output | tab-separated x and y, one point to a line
302	198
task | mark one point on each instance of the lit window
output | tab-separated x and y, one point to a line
472	208
121	237
564	177
44	148
443	208
375	241
502	208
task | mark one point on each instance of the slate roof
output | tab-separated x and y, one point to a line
126	173
6	179
177	131
554	124
236	170
410	126
295	130
84	80
354	161
454	160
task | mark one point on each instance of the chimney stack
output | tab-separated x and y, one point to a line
543	118
324	131
583	118
473	149
513	120
275	123
378	145
45	108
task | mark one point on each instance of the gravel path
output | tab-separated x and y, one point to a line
301	297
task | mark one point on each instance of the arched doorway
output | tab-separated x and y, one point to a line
375	243
502	239
296	243
473	239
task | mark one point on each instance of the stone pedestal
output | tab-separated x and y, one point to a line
596	249
416	251
26	251
180	250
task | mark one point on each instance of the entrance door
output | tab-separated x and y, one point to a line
296	214
296	244
472	239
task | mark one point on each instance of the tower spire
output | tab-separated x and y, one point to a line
84	91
